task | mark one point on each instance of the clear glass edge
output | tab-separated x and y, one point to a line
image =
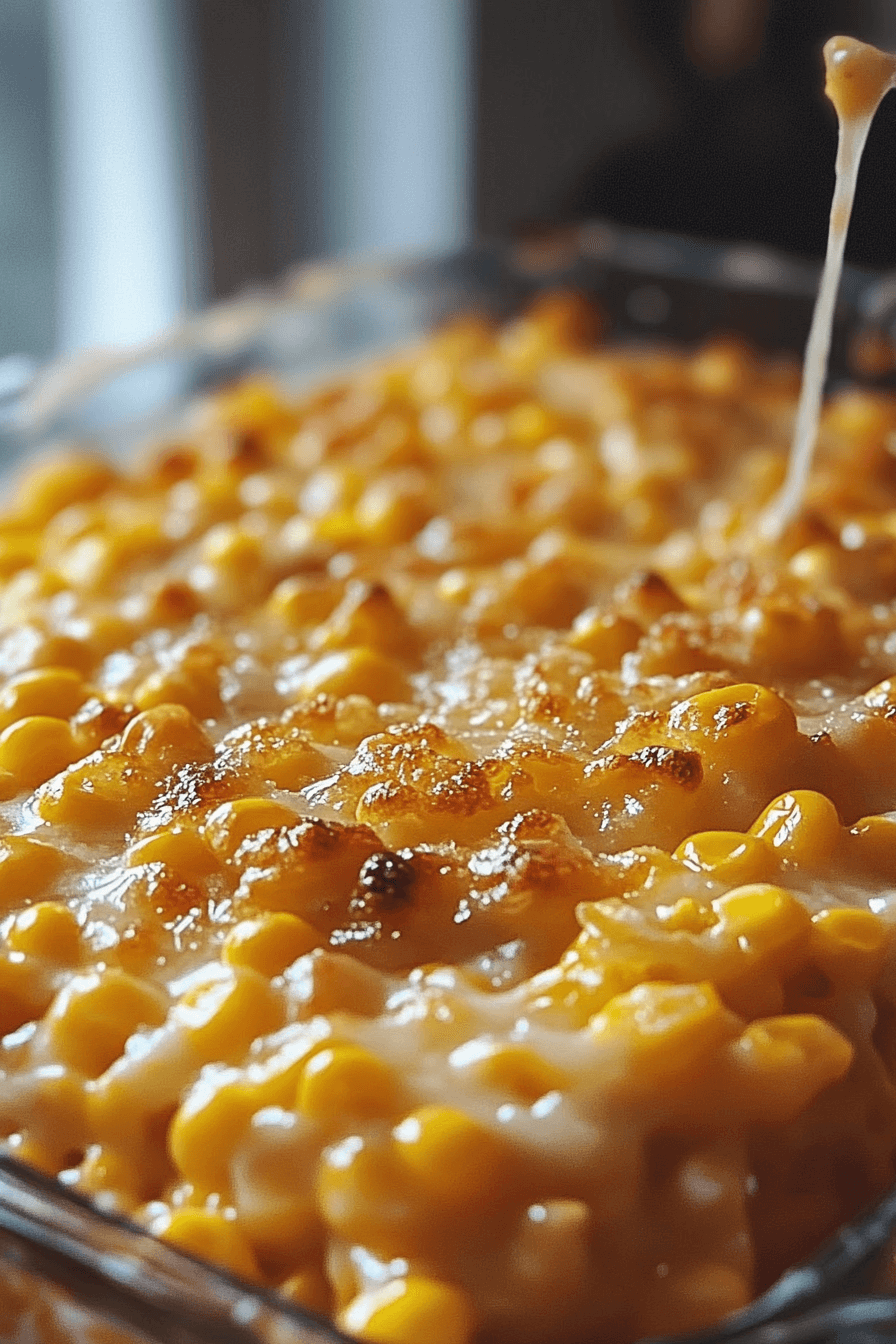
112	1266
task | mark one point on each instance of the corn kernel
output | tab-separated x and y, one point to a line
211	1236
49	930
451	1157
182	849
230	824
510	1069
669	1029
310	1288
725	856
872	844
165	737
23	992
18	553
766	921
754	724
52	692
269	943
104	790
802	827
205	1132
60	481
389	513
94	1014
607	636
36	748
299	601
787	1061
347	1080
223	1016
28	868
409	1310
197	689
365	1195
849	944
361	671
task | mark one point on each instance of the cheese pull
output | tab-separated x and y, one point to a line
858	76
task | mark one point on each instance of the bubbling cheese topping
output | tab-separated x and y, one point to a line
858	77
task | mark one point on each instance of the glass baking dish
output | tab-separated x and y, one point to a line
67	1270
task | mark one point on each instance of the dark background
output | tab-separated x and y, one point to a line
161	153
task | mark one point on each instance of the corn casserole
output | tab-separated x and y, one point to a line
448	851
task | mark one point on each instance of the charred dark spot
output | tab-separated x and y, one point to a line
177	601
683	768
174	464
100	720
536	824
729	716
388	878
248	450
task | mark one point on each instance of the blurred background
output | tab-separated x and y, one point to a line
158	154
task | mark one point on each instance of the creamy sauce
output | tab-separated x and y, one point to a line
858	76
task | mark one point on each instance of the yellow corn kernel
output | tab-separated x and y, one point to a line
409	1310
229	547
23	992
18	553
368	617
849	944
34	1154
53	692
365	1196
210	1235
223	1016
725	856
451	1157
94	1014
802	827
231	823
753	724
514	1069
687	916
195	684
310	1288
254	403
348	1081
106	1170
765	921
61	480
28	868
606	635
165	737
786	1061
390	512
872	845
668	1029
269	943
360	671
182	849
49	930
301	601
206	1130
36	748
104	790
